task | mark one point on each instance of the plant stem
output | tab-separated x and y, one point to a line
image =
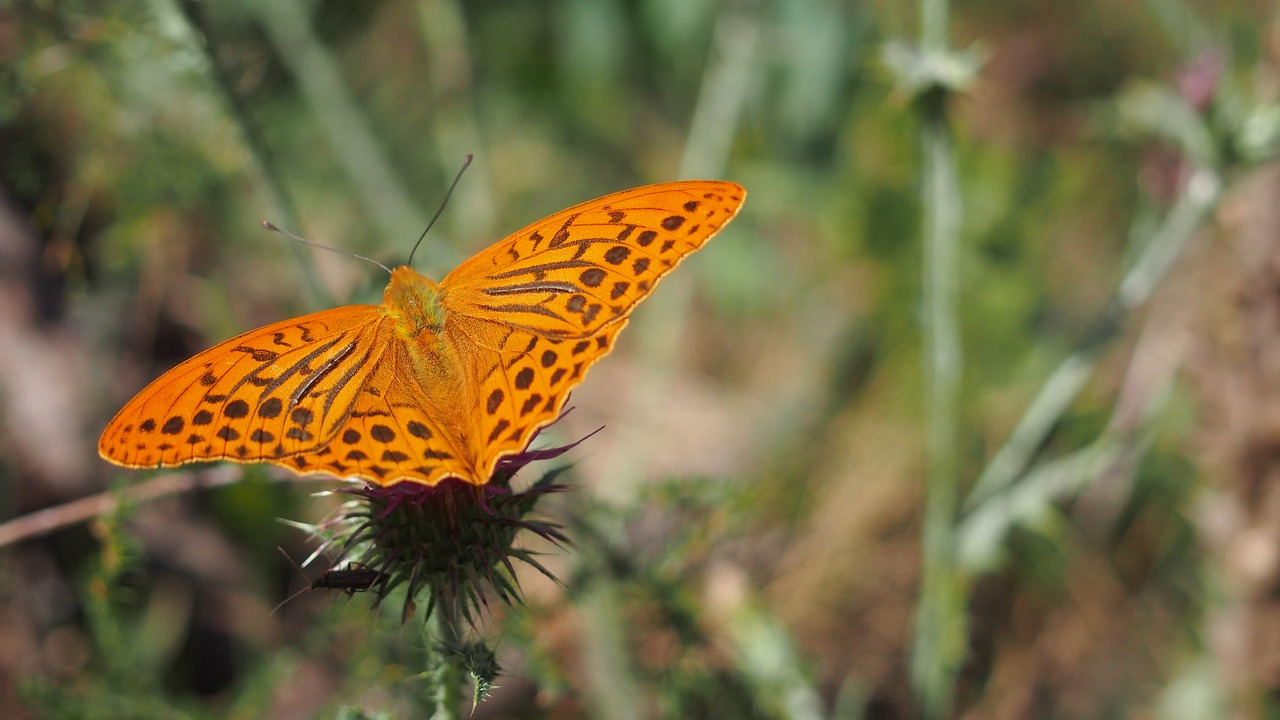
940	619
445	636
939	632
611	675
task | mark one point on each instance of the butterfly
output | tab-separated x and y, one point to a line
441	380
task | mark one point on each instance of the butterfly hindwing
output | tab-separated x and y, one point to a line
394	432
524	380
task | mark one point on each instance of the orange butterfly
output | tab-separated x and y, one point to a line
440	380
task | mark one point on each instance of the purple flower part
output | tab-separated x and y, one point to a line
412	493
513	463
1198	81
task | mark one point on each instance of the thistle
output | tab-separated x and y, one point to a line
451	548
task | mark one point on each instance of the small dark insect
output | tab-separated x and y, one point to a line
356	577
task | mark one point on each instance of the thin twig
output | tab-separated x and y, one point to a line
722	101
43	522
1135	420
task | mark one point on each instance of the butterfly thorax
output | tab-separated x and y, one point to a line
413	300
416	305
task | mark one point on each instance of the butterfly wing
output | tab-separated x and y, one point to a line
396	429
523	380
404	426
533	312
262	396
581	269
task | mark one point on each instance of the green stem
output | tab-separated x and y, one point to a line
445	638
940	620
940	613
723	97
934	16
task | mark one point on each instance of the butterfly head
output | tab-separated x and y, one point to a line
414	301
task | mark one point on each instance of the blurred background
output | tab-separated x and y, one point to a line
1076	508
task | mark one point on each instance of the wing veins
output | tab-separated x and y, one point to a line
532	288
535	309
329	366
332	393
294	368
544	267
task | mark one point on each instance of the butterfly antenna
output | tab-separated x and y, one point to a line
465	164
276	228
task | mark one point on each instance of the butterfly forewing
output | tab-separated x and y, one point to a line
583	268
266	394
